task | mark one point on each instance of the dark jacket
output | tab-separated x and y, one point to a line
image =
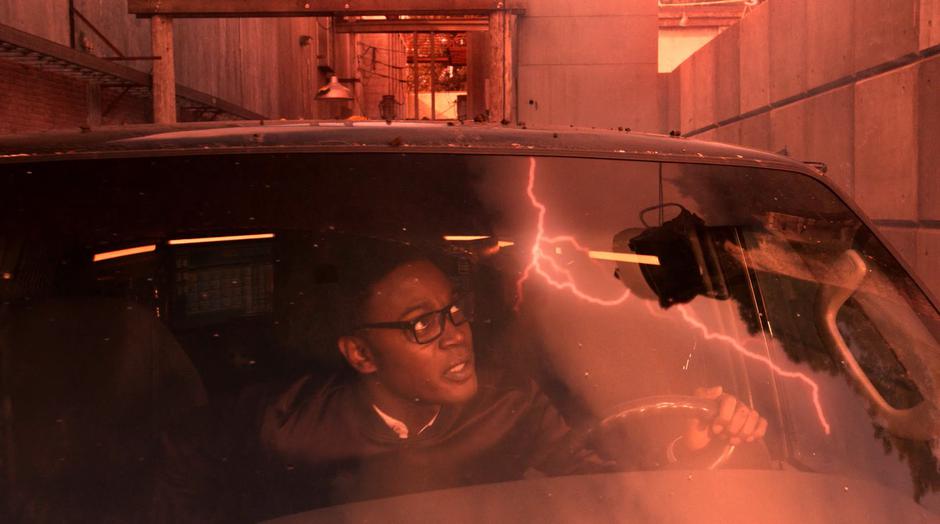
313	445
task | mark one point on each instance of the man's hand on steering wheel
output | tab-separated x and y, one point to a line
734	424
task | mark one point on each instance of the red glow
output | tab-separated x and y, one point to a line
690	319
544	265
737	346
547	267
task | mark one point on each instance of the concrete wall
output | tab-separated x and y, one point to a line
678	43
588	63
852	83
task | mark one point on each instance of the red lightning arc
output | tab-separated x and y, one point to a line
546	266
709	335
560	278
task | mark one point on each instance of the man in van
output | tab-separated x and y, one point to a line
416	413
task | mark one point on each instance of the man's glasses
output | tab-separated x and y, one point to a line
430	326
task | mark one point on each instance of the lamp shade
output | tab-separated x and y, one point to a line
334	91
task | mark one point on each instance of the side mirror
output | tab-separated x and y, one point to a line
688	264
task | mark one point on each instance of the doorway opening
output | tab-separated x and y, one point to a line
419	67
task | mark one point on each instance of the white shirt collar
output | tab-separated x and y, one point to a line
398	426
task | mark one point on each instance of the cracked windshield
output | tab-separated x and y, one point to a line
246	337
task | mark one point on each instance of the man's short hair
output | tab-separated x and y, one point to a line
363	262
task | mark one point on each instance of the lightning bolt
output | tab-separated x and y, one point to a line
707	334
547	267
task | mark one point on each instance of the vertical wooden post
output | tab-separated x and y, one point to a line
494	86
509	69
164	74
415	74
433	79
93	98
500	98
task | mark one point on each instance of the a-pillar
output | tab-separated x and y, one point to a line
164	75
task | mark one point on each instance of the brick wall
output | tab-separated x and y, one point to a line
35	100
120	110
852	83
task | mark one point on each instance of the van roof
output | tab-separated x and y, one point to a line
376	136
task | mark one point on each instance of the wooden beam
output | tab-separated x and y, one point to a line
410	26
427	59
697	22
164	74
206	99
295	8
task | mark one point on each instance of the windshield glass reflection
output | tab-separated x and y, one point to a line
245	337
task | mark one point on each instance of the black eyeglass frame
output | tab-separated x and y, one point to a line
442	315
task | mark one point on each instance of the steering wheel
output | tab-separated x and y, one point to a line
662	404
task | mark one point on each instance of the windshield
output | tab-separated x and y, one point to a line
230	335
